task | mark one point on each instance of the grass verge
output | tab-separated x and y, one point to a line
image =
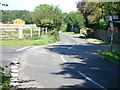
113	56
44	40
97	41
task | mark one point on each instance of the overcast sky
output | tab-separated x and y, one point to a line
65	5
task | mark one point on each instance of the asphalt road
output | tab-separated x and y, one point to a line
71	63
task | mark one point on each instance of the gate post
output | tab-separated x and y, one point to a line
20	32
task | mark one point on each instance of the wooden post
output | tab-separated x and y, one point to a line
42	31
31	32
46	30
20	32
39	29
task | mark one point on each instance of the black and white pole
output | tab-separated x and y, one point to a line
14	73
111	36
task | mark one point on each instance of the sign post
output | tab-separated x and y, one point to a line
111	36
111	28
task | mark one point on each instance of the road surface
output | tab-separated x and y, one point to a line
71	63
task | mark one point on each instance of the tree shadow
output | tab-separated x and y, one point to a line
88	63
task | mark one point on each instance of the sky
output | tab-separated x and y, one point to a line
65	5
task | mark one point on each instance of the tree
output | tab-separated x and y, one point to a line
9	16
48	16
75	19
94	11
81	5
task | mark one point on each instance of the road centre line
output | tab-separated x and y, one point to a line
22	48
89	79
72	46
63	58
77	43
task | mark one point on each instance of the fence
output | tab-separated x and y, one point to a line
10	31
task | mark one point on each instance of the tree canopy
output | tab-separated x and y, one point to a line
94	11
75	19
48	16
9	16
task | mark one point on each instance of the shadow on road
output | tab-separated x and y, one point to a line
89	63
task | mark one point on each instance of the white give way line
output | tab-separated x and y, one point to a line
87	78
22	48
28	48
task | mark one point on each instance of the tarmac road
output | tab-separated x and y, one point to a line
71	63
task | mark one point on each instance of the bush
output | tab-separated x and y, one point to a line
103	24
4	78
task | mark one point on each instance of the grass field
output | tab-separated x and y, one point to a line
44	40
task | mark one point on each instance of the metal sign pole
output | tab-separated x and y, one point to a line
111	41
112	29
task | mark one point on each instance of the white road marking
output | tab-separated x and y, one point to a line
63	58
22	48
70	47
77	44
35	47
91	80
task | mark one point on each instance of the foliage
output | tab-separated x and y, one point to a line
63	27
103	24
113	56
9	16
48	16
94	11
4	78
75	19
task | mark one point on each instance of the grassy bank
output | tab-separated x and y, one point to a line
94	40
44	40
113	56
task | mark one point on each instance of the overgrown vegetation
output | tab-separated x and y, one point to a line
4	78
113	56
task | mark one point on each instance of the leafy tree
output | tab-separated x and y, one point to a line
9	16
48	16
81	5
94	11
75	19
103	24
